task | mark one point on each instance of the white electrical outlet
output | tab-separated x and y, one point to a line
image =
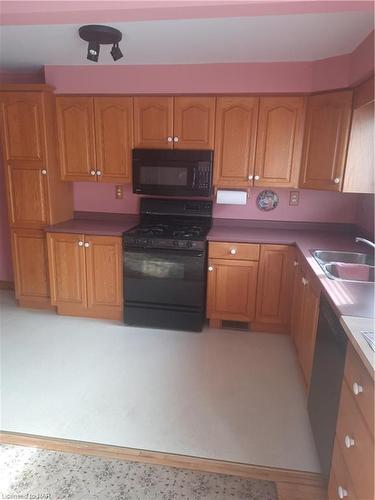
293	198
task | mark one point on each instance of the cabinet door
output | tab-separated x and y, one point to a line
114	138
274	285
235	140
66	260
360	168
75	123
279	142
296	310
29	251
326	140
22	127
24	156
194	122
308	327
104	275
231	289
153	122
27	194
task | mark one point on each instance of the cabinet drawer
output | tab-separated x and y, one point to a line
236	251
359	454
361	386
339	479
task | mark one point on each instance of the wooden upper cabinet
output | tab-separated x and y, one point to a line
29	251
114	138
326	138
75	120
194	122
360	168
22	121
153	122
35	194
279	141
104	272
235	140
66	260
274	285
231	289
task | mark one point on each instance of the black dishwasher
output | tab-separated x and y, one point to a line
326	379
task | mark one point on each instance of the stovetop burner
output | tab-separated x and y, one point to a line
177	231
171	224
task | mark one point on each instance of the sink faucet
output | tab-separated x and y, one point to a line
367	242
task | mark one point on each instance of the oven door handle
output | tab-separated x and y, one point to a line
165	251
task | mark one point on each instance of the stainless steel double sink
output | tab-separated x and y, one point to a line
353	267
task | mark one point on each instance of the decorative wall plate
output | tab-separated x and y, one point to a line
267	200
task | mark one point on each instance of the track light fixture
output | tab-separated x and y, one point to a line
97	35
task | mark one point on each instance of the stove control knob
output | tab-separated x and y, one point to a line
189	244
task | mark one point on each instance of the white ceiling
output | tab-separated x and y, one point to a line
302	37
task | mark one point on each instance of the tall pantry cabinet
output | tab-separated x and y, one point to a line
35	194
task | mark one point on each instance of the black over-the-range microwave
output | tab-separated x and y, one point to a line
170	172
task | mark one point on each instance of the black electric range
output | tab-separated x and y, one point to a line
165	265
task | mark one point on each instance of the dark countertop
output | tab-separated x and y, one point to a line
94	223
348	299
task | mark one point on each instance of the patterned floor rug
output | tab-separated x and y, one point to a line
49	475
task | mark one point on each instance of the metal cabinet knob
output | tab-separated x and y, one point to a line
342	492
44	171
175	139
92	172
210	268
233	251
87	245
80	243
257	177
99	172
357	389
349	442
336	180
250	177
169	139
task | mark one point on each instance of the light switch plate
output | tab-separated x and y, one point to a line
293	198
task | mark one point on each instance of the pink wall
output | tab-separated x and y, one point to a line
42	12
332	73
315	206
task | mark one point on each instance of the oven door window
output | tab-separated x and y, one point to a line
164	277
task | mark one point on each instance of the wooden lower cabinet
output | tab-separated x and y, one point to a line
250	283
86	274
304	320
30	266
231	289
274	285
352	469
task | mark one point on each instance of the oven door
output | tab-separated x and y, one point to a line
164	278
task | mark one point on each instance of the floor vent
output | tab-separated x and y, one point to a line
235	325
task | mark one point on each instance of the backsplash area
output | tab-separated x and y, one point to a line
314	206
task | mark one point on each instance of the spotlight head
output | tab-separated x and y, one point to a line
116	52
93	51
